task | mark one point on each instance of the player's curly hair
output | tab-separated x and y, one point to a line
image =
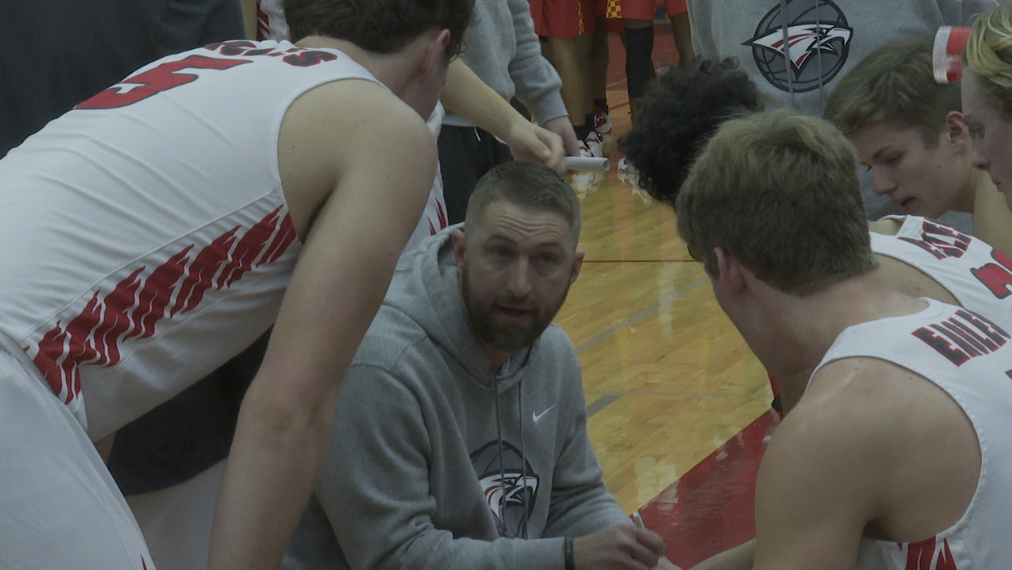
680	113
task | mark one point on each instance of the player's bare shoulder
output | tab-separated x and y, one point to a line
896	431
334	129
841	405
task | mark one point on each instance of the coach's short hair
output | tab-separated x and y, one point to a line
778	192
989	54
379	26
528	185
895	85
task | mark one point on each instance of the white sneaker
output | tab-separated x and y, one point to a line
595	145
583	182
627	173
602	122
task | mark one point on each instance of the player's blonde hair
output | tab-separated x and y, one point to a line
989	54
778	192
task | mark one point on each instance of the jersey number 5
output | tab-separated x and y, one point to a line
165	76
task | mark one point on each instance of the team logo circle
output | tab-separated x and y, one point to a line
803	49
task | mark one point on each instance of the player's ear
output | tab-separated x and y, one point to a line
435	53
577	265
459	247
957	131
729	275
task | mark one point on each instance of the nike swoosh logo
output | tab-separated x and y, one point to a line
538	417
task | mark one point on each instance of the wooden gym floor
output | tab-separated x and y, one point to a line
677	403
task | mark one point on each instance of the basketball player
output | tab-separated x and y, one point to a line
636	24
909	396
567	28
687	106
987	93
162	225
796	52
910	134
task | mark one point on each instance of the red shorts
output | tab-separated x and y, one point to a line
642	9
564	18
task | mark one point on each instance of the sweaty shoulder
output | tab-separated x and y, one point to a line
843	404
889	436
342	127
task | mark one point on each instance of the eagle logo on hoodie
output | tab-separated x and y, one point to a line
510	486
803	48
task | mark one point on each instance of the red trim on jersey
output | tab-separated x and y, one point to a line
137	303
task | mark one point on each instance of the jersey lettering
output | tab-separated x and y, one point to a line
298	57
930	554
169	74
962	337
940	241
153	81
997	277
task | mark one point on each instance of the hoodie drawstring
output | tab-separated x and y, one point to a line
789	61
502	452
788	68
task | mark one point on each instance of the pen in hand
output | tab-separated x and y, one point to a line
638	522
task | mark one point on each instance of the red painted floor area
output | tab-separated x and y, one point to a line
710	509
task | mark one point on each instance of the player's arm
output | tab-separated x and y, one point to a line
538	85
358	163
468	96
819	483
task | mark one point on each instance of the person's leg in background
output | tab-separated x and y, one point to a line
600	58
639	63
465	154
567	28
678	17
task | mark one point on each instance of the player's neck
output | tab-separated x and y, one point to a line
811	324
395	70
381	66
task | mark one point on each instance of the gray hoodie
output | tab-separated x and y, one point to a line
500	46
439	461
826	39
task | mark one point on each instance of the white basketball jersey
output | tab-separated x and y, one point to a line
146	235
969	357
977	275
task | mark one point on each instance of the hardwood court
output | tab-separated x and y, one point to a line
668	379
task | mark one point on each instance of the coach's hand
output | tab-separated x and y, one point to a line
622	547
